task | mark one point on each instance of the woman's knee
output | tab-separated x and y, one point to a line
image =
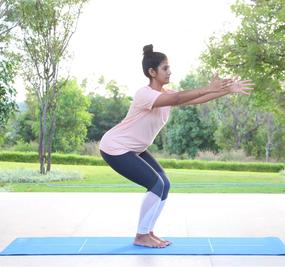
158	187
166	187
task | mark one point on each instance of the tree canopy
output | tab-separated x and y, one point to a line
256	51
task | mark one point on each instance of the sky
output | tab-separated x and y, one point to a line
111	34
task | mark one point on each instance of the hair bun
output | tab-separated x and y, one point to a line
148	50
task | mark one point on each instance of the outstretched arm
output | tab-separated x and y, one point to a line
217	85
205	98
238	86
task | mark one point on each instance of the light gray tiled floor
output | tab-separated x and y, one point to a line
115	214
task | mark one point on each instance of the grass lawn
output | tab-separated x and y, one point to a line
104	179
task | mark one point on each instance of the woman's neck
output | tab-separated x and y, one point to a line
156	86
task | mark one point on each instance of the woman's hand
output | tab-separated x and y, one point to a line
241	86
230	85
218	85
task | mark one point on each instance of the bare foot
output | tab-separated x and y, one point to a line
166	242
147	241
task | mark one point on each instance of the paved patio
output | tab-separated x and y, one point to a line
115	214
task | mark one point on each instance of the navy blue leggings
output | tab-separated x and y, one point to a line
142	169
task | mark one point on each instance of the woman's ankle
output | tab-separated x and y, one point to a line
138	235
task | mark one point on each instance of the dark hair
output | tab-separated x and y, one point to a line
151	59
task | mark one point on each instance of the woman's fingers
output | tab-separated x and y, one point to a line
245	93
247	84
227	83
236	85
245	90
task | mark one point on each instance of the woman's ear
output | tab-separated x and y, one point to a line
152	72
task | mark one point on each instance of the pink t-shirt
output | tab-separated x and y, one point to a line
139	128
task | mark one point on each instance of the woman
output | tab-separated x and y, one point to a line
124	147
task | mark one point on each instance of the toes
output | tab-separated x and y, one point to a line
160	245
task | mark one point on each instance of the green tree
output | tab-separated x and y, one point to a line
279	141
194	123
256	50
21	126
238	121
185	132
8	65
24	126
7	91
46	29
206	111
268	141
107	110
72	118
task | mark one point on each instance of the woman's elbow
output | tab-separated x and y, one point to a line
178	100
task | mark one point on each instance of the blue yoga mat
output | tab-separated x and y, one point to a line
124	246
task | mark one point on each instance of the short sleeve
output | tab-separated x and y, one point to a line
145	98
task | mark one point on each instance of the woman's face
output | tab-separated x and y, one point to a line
162	74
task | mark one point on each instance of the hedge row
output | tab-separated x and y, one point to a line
72	159
67	159
223	165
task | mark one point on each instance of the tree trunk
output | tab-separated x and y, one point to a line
51	135
45	40
53	111
238	141
267	152
270	129
42	150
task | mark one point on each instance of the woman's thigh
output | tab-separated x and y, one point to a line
134	168
151	161
158	168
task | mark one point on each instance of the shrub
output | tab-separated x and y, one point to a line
15	156
220	165
74	159
32	176
90	148
25	147
232	155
